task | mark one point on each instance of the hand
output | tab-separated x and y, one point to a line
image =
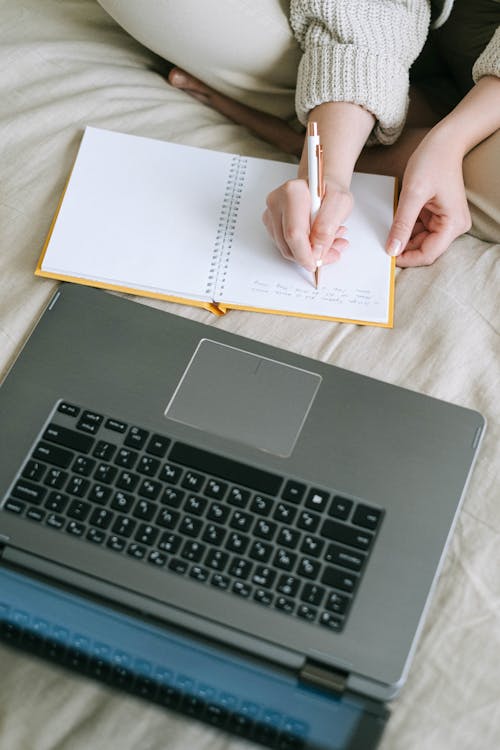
432	209
287	219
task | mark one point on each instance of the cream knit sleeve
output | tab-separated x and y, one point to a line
359	51
488	62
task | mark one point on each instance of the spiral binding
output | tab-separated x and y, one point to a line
227	224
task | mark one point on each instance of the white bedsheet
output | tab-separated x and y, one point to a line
65	64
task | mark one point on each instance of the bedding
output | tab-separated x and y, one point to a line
65	64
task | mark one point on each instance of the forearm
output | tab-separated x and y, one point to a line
475	118
344	129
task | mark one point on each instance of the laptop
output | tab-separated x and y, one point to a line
287	510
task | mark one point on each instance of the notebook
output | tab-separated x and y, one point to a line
181	223
287	509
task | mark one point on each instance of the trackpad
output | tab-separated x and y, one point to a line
244	397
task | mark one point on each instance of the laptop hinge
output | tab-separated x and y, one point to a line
323	677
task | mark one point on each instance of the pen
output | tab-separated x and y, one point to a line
315	177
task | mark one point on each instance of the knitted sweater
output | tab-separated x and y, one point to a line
361	51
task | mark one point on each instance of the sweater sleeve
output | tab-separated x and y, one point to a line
359	51
488	62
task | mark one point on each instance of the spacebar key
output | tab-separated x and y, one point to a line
226	468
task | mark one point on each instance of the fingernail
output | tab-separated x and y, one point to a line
394	247
319	263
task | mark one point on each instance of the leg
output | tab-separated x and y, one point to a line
482	185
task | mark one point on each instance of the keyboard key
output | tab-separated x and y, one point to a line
124	526
68	438
146	534
89	422
242	589
122	502
105	473
218	512
312	594
14	506
148	465
169	543
317	500
35	514
307	612
83	465
115	425
150	489
158	446
337	603
116	543
55	478
167	518
157	558
104	451
285	604
288	537
284	513
262	505
216	559
55	521
215	489
70	409
220	581
265	529
338	532
241	520
101	517
190	526
126	458
170	473
366	517
138	551
293	491
330	621
339	579
263	575
145	510
238	497
77	486
29	492
312	545
263	597
76	528
237	542
308	521
214	534
345	557
56	502
54	455
195	505
95	535
193	550
240	568
288	585
193	481
199	573
34	470
340	507
127	481
136	438
178	566
261	551
284	559
79	509
308	568
172	497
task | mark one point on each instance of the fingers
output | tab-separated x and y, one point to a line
409	207
334	210
287	219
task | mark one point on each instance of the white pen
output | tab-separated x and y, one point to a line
315	177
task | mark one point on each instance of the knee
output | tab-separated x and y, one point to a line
481	171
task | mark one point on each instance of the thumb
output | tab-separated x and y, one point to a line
409	206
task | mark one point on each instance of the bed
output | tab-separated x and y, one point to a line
65	64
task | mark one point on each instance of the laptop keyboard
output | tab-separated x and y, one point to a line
268	538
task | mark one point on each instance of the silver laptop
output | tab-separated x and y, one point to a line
287	508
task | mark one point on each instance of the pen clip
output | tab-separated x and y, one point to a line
319	162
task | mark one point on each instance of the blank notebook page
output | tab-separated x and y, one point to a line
140	213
